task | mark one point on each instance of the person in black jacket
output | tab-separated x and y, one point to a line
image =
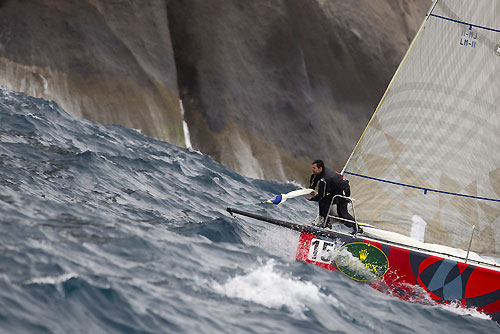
329	184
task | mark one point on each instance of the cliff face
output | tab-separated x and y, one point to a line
267	86
277	84
107	61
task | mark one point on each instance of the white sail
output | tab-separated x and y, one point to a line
432	147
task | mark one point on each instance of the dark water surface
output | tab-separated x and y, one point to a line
104	230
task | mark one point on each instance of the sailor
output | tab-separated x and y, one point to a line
329	184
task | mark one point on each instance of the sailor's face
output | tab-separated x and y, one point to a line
316	170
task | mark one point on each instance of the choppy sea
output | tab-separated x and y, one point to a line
104	230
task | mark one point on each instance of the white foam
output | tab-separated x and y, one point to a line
33	116
51	279
420	295
456	308
344	258
278	241
271	288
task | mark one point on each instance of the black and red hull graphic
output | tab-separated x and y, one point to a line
409	273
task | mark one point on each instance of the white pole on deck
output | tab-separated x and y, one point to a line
470	243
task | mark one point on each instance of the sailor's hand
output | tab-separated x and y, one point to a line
308	197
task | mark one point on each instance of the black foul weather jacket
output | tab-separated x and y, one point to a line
328	183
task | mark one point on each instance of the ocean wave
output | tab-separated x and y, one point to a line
269	287
109	231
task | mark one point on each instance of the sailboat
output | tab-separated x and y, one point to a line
429	155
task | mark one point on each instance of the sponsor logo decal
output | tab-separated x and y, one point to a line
361	261
363	254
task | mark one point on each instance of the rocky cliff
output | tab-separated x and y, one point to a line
267	86
108	61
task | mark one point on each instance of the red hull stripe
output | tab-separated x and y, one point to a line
409	270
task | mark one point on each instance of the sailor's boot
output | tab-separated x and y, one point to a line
360	230
319	222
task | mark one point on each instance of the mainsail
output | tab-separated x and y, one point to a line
432	147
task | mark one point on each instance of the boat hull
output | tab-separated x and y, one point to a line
409	274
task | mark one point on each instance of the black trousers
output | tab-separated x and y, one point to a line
324	205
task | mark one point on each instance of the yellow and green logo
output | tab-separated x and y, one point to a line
361	261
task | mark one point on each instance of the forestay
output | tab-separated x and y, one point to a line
432	147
